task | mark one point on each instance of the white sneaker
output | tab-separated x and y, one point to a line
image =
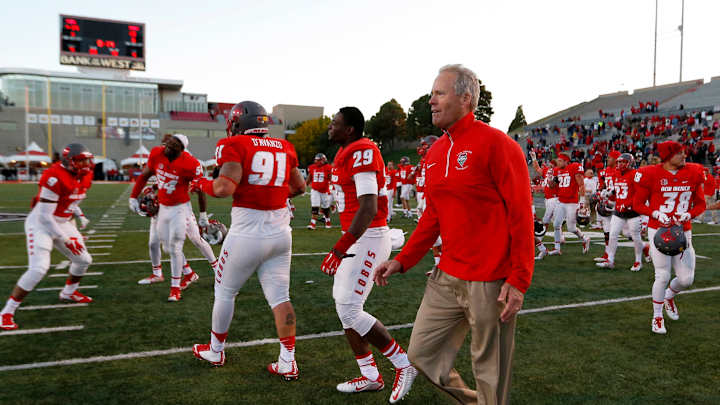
671	309
555	252
636	266
404	378
204	352
541	254
361	384
287	370
152	279
658	325
586	244
602	258
605	265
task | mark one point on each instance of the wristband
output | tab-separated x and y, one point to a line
203	215
206	186
344	243
235	183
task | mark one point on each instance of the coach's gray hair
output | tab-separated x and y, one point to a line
466	82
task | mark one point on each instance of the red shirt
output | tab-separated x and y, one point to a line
359	156
390	178
70	189
550	192
568	187
420	176
266	164
669	193
404	173
624	190
477	194
709	185
320	176
173	178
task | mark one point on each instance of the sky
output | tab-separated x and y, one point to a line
543	55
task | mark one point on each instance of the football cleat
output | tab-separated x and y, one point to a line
658	325
646	253
204	352
404	378
188	279
586	244
361	384
328	224
541	254
555	252
671	309
603	258
175	295
152	279
8	323
76	296
605	265
311	226
636	266
287	370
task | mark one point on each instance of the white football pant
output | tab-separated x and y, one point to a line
566	212
684	265
318	199
420	203
172	224
192	233
550	204
616	226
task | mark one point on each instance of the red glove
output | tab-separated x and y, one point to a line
332	261
75	246
202	185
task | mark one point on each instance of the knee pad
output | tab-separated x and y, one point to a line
352	316
79	264
223	293
662	277
315	210
686	280
31	278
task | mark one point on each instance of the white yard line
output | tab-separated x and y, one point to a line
99	240
101	254
41	330
154	353
88	274
56	306
82	287
98	246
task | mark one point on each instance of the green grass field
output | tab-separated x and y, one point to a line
598	354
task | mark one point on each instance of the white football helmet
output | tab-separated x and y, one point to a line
215	232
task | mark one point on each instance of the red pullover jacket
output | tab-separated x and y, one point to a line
478	199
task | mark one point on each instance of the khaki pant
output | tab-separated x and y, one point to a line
450	308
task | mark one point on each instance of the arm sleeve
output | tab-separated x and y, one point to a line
47	219
512	180
698	203
365	183
422	238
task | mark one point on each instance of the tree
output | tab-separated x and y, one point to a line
484	111
519	120
387	125
419	119
310	138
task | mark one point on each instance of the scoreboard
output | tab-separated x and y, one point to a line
102	43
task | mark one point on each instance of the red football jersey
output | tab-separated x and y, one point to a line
358	157
670	193
390	176
606	178
266	166
568	187
320	176
550	192
624	190
404	173
70	189
420	177
173	178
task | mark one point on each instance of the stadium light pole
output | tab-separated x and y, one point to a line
682	35
655	51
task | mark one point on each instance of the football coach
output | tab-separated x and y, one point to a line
478	200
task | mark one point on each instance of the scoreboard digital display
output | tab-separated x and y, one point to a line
100	43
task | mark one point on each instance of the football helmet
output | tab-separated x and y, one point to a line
73	159
594	199
320	157
670	240
215	232
405	160
625	162
247	118
148	200
583	217
540	229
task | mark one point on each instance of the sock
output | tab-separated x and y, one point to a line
187	269
437	260
670	293
175	282
312	221
157	271
657	309
367	365
70	287
541	247
396	355
217	341
557	245
287	348
214	264
10	306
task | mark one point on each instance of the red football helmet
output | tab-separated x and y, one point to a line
78	159
247	118
215	232
625	162
148	200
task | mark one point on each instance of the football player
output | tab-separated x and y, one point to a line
61	188
358	179
390	174
174	169
606	192
551	197
624	214
318	180
404	171
673	193
419	173
260	174
571	197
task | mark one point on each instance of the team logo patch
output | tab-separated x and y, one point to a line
160	166
663	182
462	158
